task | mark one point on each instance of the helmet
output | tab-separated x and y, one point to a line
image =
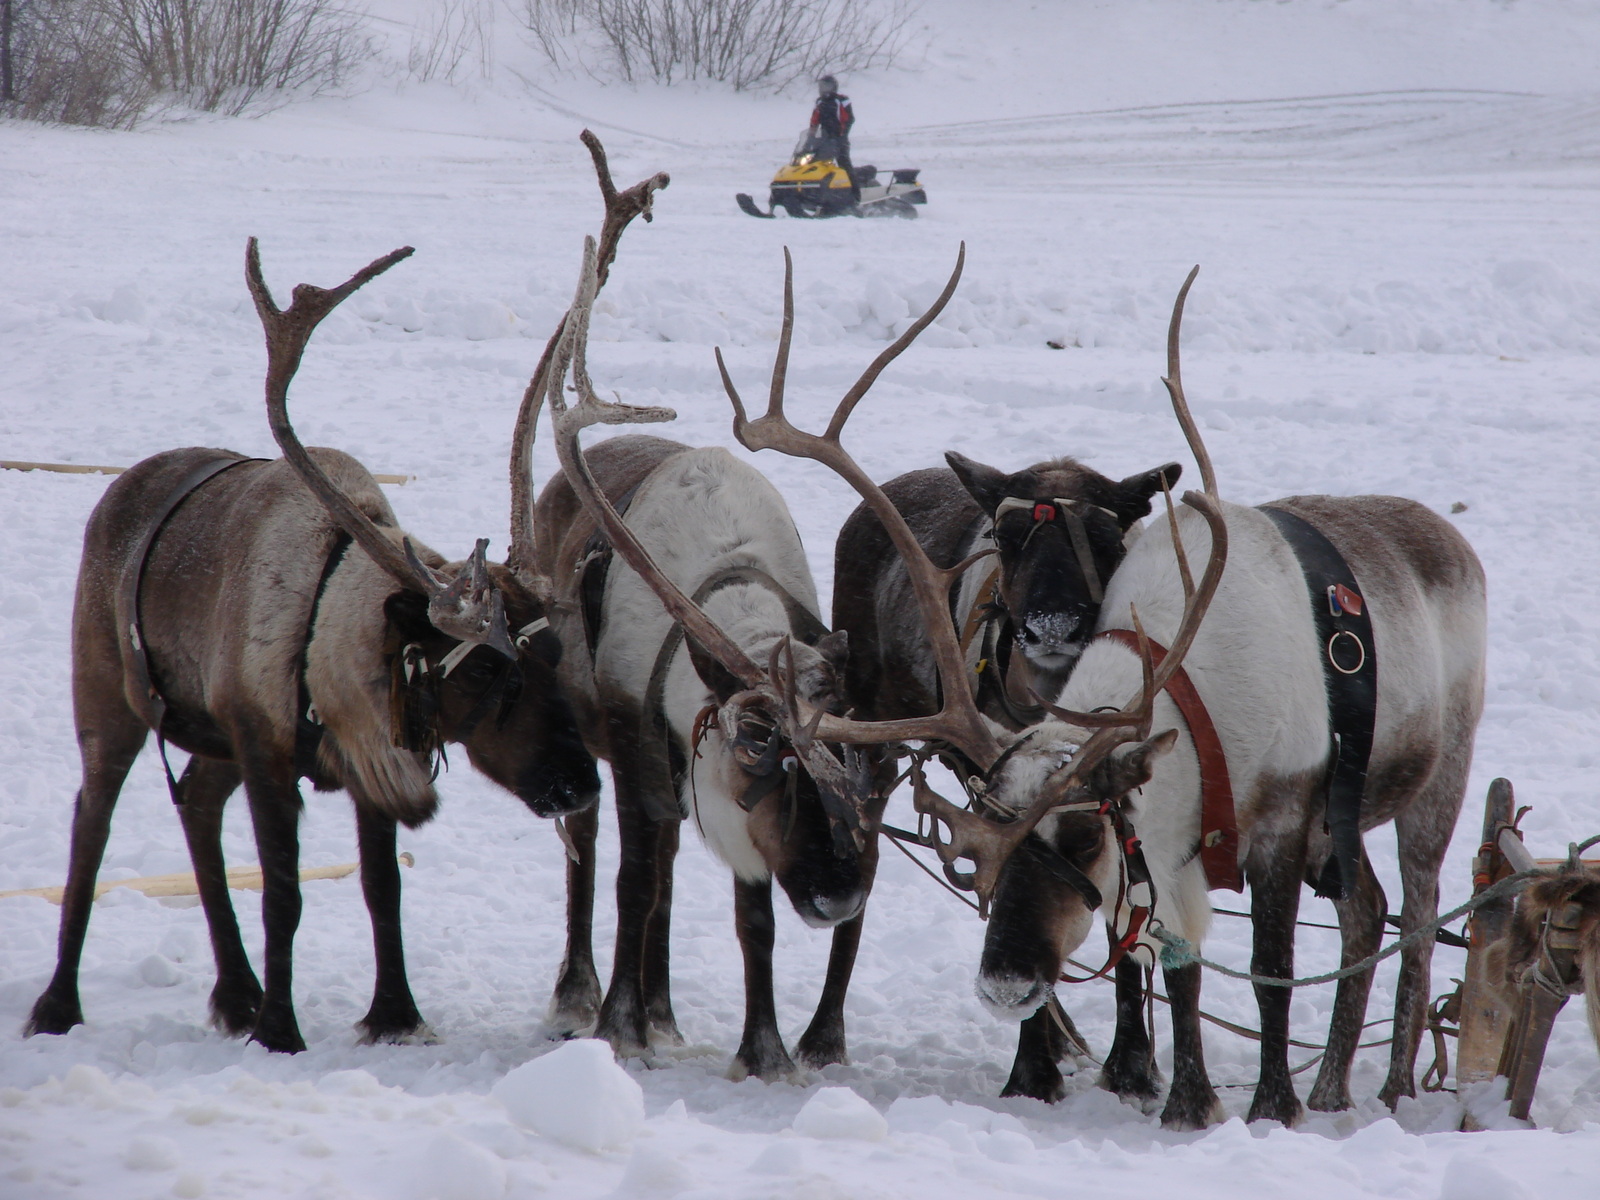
827	85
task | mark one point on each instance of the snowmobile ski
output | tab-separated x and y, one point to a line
748	204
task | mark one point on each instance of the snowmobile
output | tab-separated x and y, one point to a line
811	186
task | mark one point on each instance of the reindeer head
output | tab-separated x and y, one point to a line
471	656
1060	529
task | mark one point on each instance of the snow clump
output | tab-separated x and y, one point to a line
452	1168
575	1094
837	1112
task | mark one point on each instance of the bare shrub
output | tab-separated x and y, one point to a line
221	54
106	62
457	34
746	43
65	66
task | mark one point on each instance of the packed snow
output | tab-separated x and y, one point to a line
1393	203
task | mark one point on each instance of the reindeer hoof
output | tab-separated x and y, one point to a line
1284	1109
1037	1081
1187	1113
418	1034
768	1064
1330	1100
819	1048
53	1015
280	1034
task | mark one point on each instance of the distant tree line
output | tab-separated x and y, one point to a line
108	62
746	43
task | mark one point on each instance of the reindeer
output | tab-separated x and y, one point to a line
1257	662
1060	529
221	604
660	656
1063	832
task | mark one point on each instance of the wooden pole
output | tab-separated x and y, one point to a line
1484	1015
183	883
86	469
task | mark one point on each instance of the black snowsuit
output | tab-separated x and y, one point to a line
831	120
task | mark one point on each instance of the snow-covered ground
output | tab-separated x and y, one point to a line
1394	206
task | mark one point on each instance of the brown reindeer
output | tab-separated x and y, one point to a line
221	603
1060	529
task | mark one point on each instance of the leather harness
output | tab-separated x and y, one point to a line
593	569
147	698
1350	668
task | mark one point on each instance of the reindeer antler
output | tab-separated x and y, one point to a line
468	607
960	723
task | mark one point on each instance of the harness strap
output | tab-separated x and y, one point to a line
1350	669
1219	828
653	731
144	695
308	728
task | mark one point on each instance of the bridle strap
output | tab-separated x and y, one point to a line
1219	827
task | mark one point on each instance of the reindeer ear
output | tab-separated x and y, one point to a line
722	682
986	485
1130	767
835	649
1131	499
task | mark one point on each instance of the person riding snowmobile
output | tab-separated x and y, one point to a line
831	120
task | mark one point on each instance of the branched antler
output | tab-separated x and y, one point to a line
468	607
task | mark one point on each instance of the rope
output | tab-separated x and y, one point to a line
1177	951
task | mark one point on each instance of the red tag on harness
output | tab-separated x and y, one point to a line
1342	600
1044	512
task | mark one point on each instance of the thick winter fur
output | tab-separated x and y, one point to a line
700	513
226	605
1257	665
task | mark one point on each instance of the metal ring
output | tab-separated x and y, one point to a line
1360	645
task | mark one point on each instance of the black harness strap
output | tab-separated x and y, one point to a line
593	568
1350	667
653	731
307	724
151	705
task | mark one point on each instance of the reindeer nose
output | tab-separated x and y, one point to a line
1048	632
834	910
1011	997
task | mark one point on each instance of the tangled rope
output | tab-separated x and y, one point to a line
1178	951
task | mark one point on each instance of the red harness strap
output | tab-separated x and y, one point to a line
1219	830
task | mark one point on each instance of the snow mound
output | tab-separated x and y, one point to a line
452	1168
575	1094
1472	1177
837	1112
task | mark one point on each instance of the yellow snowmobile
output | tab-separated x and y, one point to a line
810	186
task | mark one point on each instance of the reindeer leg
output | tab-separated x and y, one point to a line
1274	905
275	806
108	745
623	1022
1361	931
575	1005
823	1041
1034	1071
761	1051
206	785
1130	1068
657	975
1191	1100
393	1016
1423	830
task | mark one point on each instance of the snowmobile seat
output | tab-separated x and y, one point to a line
864	176
909	175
